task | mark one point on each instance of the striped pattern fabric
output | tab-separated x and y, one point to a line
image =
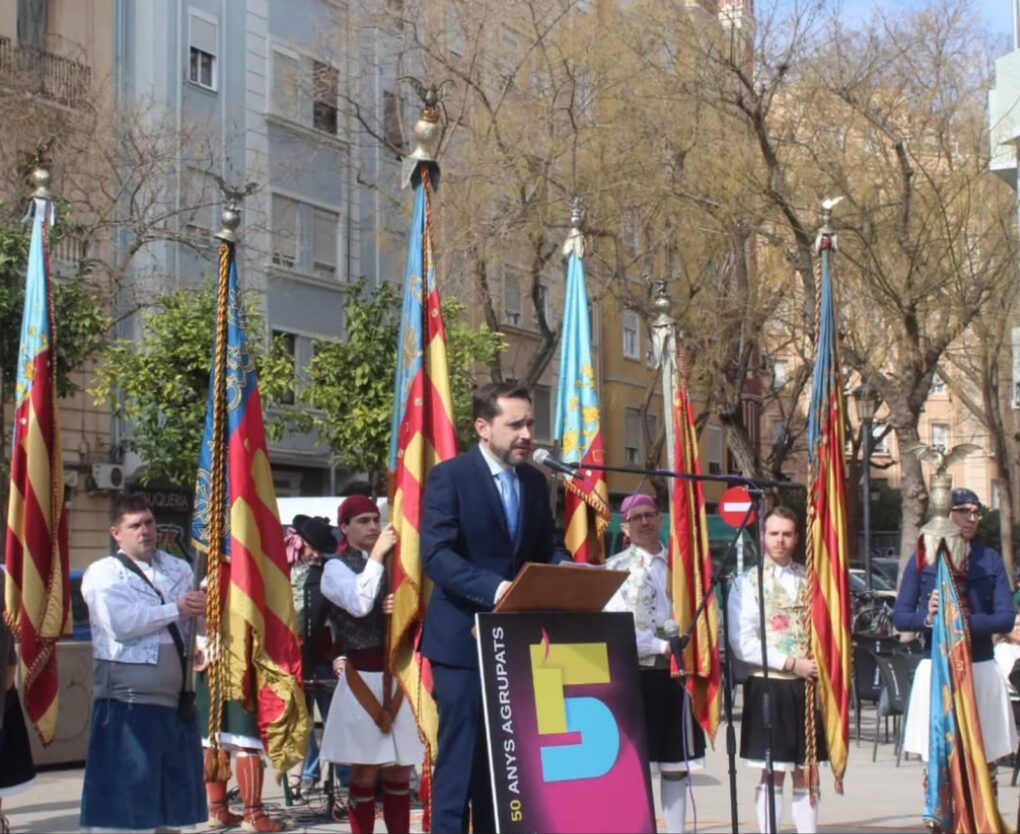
691	566
258	638
577	426
827	551
422	435
37	593
959	796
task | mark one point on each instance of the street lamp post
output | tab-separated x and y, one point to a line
867	399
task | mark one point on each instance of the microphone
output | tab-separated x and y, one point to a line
543	458
671	628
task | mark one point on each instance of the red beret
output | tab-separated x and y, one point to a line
355	505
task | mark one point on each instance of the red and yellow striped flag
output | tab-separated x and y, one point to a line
37	593
255	657
691	564
422	435
827	569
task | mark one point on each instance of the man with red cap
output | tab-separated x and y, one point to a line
370	729
675	740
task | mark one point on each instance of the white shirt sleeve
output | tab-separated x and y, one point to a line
745	634
354	592
115	608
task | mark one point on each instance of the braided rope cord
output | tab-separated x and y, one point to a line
217	503
807	592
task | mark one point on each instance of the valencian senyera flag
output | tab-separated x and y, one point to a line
37	593
422	435
959	796
691	564
827	553
577	427
252	643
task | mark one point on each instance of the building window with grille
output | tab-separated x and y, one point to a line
940	436
714	438
632	436
511	298
938	385
203	37
283	220
631	335
324	242
325	90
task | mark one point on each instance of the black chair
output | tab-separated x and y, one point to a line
865	682
896	672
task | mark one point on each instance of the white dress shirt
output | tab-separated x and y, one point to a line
744	618
496	467
354	592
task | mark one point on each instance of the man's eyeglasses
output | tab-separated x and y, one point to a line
968	513
641	518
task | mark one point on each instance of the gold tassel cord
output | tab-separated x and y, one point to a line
217	761
810	689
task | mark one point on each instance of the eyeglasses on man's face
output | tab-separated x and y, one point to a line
968	512
641	518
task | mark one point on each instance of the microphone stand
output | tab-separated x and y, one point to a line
756	488
718	580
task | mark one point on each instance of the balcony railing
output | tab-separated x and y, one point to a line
51	76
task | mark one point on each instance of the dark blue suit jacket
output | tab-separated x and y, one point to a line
988	594
466	549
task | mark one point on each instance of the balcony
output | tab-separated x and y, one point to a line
51	76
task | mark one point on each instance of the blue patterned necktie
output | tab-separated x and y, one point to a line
511	506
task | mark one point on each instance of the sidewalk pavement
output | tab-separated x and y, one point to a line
879	797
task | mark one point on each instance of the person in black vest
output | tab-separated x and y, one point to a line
317	545
371	730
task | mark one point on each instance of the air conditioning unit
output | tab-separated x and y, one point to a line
107	476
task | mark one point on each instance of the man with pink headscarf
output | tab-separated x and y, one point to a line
675	740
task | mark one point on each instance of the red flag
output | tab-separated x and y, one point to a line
423	435
691	566
37	593
827	572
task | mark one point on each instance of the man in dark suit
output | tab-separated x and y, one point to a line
485	513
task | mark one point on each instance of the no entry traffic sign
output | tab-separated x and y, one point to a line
733	507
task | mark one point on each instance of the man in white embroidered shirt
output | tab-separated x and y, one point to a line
786	640
143	769
676	741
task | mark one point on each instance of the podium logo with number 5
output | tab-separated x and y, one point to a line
554	666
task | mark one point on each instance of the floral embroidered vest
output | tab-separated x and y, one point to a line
785	616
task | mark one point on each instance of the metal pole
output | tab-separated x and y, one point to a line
866	502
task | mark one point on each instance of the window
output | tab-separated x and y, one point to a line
879	439
780	373
511	298
203	48
940	436
286	95
938	385
713	436
288	343
198	201
631	436
324	242
777	432
391	120
325	89
631	335
284	213
542	408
